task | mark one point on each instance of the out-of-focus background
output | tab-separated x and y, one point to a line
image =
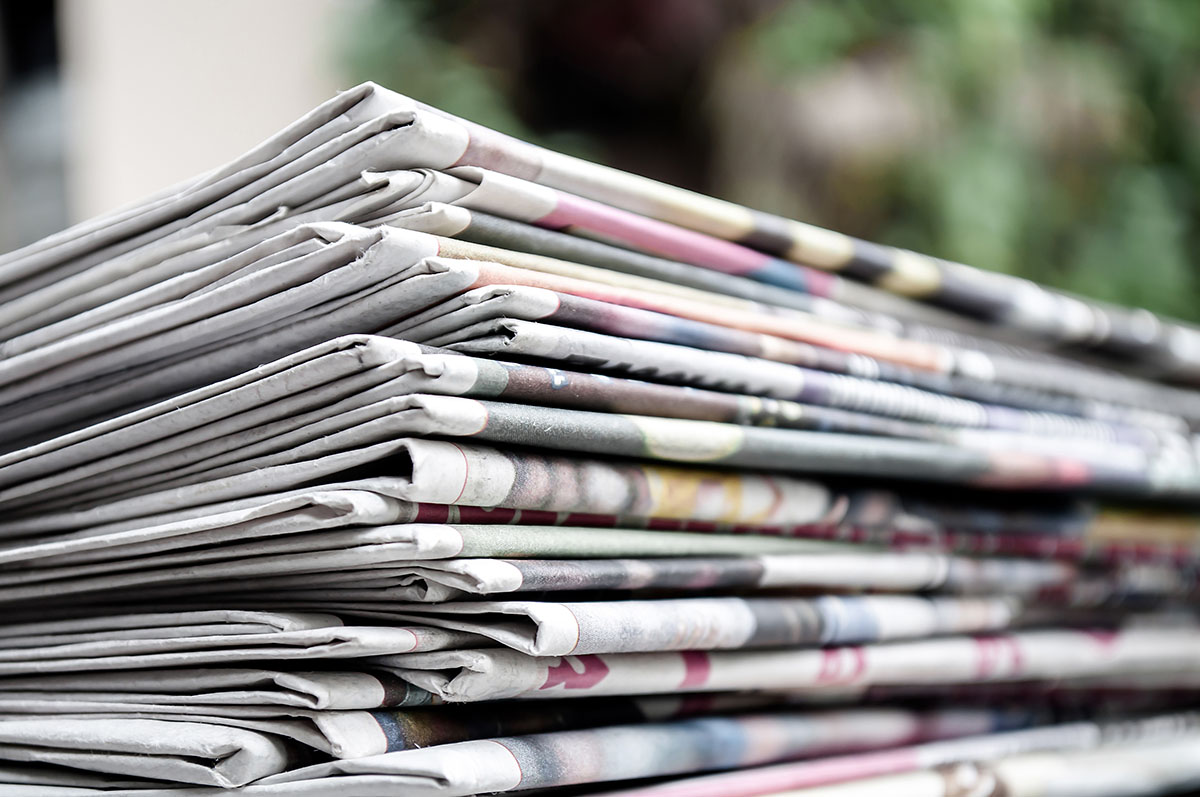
1054	139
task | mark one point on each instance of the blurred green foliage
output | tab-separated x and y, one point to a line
1067	142
403	45
1058	141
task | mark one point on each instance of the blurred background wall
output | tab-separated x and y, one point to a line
1055	140
157	92
32	127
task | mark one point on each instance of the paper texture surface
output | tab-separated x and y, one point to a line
398	456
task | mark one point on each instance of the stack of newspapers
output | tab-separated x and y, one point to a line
400	457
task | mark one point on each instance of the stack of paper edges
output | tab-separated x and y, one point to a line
400	457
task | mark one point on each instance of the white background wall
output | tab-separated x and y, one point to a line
158	91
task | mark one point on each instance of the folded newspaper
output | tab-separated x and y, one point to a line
399	456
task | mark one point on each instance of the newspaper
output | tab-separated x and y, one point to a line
846	301
276	519
878	518
541	760
356	550
434	471
357	734
359	583
999	299
500	194
271	310
865	773
421	287
445	323
50	780
826	401
313	377
286	239
492	320
542	628
317	469
148	748
380	429
156	640
430	372
340	734
204	688
468	675
440	580
886	356
1156	753
369	128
